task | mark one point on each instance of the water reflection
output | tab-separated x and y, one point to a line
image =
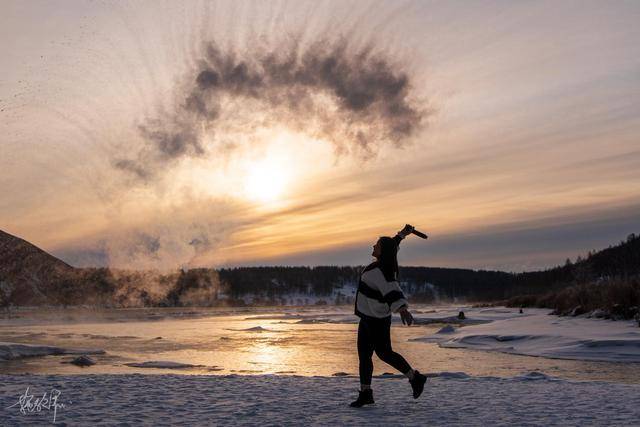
301	342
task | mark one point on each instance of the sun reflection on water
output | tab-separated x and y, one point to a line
239	344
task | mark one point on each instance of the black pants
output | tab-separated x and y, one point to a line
374	335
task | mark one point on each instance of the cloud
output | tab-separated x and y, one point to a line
158	237
526	245
355	98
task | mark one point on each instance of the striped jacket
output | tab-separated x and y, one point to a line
377	297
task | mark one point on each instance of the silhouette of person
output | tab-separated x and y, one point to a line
378	296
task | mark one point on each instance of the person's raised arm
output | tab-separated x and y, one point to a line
403	233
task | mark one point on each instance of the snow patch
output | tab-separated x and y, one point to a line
538	334
535	376
446	330
11	351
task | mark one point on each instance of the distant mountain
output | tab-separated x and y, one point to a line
29	275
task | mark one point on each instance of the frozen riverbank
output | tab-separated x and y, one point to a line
535	333
450	399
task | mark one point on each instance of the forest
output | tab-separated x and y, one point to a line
275	285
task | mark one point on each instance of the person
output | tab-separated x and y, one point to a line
377	297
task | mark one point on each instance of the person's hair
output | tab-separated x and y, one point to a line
388	260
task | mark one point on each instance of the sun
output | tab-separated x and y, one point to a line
274	173
266	181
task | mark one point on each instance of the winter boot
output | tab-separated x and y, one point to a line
417	384
364	398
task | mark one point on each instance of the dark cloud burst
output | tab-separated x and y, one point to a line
357	99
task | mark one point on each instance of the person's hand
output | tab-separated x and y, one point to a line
407	230
406	316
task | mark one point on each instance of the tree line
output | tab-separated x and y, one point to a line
271	284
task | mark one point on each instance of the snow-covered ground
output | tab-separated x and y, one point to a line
9	350
535	333
449	399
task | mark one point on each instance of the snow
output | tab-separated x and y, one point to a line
446	330
535	333
10	351
472	316
449	399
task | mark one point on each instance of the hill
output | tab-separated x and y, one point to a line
617	261
28	275
604	283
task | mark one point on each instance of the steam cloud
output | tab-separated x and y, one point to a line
355	98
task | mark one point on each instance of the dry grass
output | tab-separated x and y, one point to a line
619	297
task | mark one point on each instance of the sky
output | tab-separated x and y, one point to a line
183	134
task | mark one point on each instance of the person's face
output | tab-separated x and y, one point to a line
377	249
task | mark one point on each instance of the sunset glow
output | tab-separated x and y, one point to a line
511	149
